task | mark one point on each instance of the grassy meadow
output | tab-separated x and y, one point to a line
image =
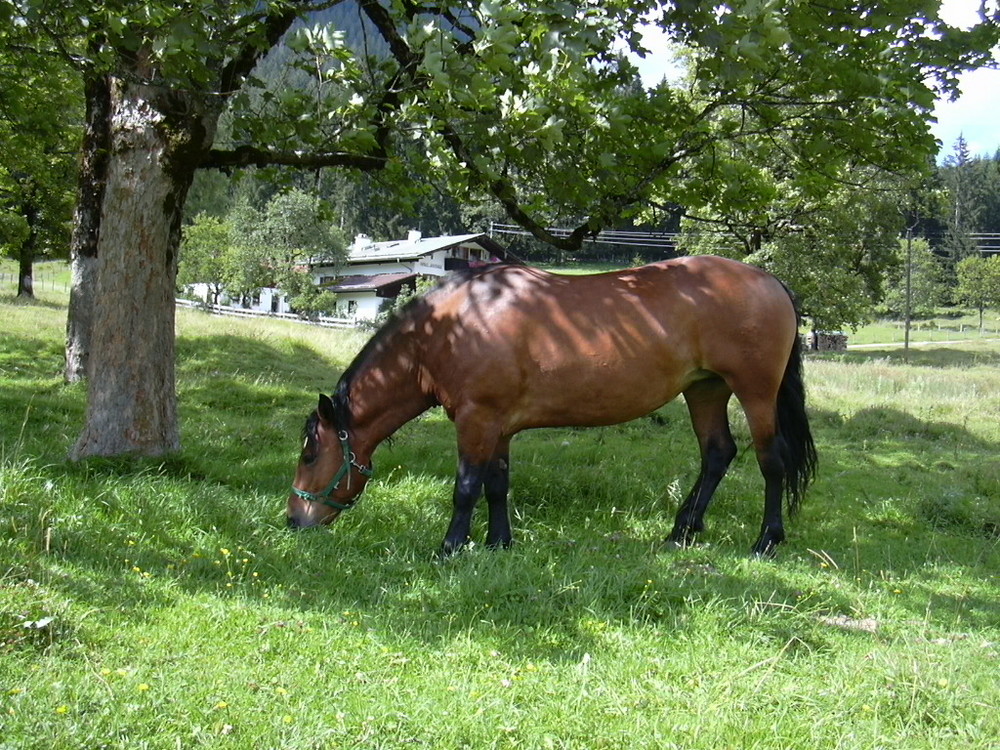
163	604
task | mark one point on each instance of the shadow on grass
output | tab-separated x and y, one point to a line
24	358
13	299
582	559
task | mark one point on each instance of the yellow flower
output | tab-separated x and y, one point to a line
225	552
143	687
62	709
281	691
222	704
287	718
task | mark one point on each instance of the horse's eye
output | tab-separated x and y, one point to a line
309	452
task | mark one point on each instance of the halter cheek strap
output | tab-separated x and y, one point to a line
350	460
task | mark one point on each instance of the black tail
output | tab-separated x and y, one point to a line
798	451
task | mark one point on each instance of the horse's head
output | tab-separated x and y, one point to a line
329	476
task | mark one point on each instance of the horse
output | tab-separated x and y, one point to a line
507	348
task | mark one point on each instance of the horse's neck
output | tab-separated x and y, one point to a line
385	393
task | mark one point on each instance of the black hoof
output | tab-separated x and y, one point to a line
450	549
680	539
764	550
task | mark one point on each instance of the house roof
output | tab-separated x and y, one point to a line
369	283
364	250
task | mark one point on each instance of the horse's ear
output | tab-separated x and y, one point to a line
325	410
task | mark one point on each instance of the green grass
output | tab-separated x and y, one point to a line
948	325
162	603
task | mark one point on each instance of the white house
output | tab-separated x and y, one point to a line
378	271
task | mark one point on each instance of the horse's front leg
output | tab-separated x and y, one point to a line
468	487
497	485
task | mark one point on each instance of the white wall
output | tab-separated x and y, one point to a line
265	300
358	305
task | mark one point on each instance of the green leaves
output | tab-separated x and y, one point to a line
533	104
251	249
40	112
979	282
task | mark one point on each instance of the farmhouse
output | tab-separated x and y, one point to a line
376	272
379	271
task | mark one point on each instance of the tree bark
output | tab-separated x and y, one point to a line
26	256
95	150
157	139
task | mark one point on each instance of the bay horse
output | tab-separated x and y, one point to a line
507	348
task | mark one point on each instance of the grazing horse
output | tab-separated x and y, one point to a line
508	348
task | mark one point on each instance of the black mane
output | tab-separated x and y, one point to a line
341	394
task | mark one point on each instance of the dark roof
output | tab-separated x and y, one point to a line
370	283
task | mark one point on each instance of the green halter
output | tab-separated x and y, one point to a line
345	470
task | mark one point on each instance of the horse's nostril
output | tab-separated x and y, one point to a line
292	523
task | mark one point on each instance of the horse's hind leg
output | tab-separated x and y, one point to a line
768	446
707	402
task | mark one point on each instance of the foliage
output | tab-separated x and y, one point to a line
506	101
39	128
305	296
293	232
832	250
390	307
960	178
979	283
927	289
272	247
204	246
198	620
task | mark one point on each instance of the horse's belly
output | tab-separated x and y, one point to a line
598	393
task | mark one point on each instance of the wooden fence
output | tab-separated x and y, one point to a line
38	283
240	312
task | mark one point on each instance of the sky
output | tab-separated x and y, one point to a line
975	115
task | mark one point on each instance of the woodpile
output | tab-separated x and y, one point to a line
826	341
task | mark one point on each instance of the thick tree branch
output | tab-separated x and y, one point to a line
247	57
251	156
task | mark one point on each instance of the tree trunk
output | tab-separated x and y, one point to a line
157	139
95	150
26	256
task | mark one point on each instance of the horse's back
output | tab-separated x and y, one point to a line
601	348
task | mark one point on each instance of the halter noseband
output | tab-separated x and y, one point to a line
350	460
